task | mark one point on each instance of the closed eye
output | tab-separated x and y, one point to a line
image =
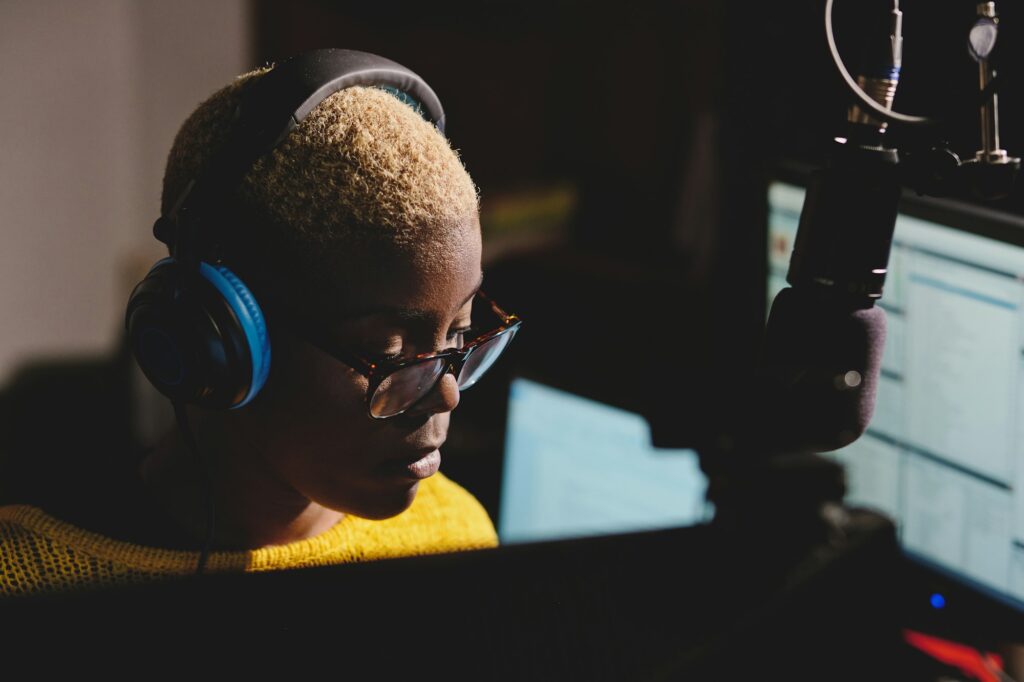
381	358
464	332
459	336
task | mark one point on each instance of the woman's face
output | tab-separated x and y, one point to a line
310	422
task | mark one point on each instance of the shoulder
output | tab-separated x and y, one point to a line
41	554
38	553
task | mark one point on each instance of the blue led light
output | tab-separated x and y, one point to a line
937	601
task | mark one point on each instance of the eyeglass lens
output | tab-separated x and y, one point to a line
402	388
483	357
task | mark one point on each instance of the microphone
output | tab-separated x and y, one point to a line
823	344
814	386
815	383
822	350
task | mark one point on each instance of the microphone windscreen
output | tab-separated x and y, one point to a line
820	368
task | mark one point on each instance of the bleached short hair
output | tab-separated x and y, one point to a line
363	175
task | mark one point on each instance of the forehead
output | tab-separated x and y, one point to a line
433	280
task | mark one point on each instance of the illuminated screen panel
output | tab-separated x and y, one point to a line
575	467
944	454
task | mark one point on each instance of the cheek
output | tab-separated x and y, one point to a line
310	401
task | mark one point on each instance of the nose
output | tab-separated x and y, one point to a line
444	397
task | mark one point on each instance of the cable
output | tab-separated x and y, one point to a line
863	98
181	415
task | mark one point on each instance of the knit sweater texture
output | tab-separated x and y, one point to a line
40	554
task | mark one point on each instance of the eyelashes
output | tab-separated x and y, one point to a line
387	357
462	334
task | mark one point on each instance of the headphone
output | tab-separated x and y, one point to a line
195	329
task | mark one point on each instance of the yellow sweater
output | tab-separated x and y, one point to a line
41	554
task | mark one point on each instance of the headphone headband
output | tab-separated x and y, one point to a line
270	108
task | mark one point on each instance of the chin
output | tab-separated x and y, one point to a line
380	505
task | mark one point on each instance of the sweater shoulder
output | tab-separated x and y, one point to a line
446	497
42	554
445	517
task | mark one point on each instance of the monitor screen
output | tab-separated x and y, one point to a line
944	453
575	467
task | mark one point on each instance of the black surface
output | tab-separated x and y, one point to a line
679	604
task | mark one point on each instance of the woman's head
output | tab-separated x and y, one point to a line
364	221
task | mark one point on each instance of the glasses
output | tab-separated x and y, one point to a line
397	386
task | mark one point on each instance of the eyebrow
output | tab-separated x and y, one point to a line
410	315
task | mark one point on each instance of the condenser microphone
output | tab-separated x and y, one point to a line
815	384
823	344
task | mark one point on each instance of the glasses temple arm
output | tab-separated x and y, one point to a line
312	333
506	317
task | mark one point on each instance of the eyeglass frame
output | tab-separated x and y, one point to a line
377	372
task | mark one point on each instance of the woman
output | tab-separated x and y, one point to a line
359	236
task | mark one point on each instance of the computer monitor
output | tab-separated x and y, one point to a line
944	452
575	467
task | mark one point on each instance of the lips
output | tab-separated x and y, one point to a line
424	464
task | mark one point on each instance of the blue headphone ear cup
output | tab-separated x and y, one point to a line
199	337
251	323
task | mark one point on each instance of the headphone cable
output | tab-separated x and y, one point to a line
206	491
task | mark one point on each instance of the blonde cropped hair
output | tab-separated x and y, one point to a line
363	174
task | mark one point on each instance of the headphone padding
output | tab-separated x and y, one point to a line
250	317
